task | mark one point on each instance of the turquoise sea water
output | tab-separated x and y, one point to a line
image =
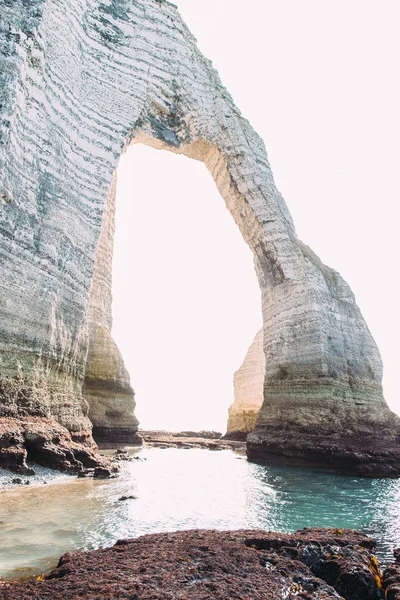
182	489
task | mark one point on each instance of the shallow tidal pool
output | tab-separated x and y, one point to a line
186	489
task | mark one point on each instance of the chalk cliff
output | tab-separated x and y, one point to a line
80	80
248	386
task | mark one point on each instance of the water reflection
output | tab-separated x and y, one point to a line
181	489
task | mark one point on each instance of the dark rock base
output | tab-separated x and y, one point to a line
114	436
361	453
312	564
237	436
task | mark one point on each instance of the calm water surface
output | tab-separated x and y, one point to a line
183	489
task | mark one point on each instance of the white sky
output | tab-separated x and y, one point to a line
319	82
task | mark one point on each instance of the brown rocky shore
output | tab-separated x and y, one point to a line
248	565
45	442
213	440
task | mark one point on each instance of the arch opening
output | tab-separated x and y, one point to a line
185	303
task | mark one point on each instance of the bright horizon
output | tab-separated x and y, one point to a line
192	287
317	83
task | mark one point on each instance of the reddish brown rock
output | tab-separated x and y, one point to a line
47	443
312	564
391	578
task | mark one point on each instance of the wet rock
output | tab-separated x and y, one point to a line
396	554
391	578
363	453
212	565
108	437
122	455
105	472
123	498
16	480
166	439
208	435
214	447
86	473
342	558
238	436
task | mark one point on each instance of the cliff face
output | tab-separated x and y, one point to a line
107	387
248	386
79	81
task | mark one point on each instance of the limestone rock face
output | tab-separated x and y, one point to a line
248	385
109	393
107	387
80	80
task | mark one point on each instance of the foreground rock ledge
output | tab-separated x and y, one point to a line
256	565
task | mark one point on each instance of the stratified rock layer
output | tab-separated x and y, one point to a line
248	386
312	564
107	386
80	80
109	393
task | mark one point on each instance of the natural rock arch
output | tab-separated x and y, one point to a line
80	80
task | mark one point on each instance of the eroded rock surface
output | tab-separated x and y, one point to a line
312	564
80	80
109	393
391	578
248	387
46	442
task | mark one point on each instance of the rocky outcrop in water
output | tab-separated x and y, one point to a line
80	80
211	440
311	564
248	386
